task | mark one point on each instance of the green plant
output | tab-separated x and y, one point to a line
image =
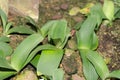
88	42
5	24
58	34
117	2
51	52
8	26
23	51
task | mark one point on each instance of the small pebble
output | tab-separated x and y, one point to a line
76	77
57	8
77	19
64	6
57	16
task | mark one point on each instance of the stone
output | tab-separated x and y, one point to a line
64	6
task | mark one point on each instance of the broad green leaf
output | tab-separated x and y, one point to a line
108	9
86	37
8	25
117	15
4	39
97	11
58	30
6	74
4	63
117	8
94	44
85	34
58	74
6	48
35	60
99	64
60	44
21	29
31	20
114	74
49	61
88	69
2	54
45	28
21	53
37	49
3	18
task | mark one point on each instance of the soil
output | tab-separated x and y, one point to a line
109	37
109	44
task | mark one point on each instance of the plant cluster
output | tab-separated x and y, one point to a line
46	57
31	50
